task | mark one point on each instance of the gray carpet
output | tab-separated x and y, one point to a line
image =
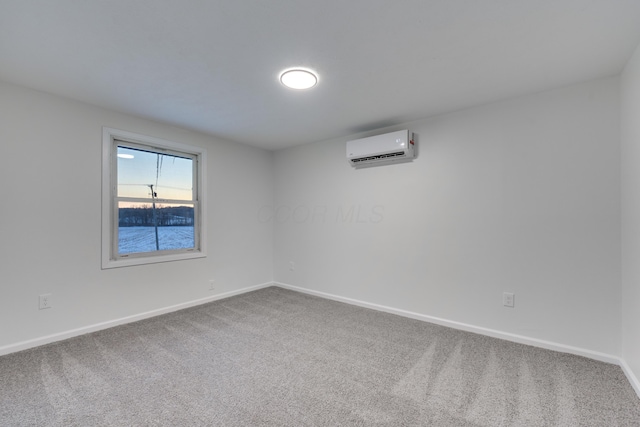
280	358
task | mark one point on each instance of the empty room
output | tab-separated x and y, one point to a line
299	213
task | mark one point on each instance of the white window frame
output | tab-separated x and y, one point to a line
110	258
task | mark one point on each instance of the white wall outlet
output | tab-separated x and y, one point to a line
212	285
292	265
44	301
508	299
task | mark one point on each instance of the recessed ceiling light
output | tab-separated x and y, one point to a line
299	78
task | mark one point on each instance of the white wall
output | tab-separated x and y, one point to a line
520	196
50	220
630	89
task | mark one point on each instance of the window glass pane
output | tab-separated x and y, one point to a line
138	223
171	176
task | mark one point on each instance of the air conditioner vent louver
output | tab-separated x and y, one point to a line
378	157
387	148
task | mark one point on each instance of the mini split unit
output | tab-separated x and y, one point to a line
381	149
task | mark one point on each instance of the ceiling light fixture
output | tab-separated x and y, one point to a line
125	156
299	78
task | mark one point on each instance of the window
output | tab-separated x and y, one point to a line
152	193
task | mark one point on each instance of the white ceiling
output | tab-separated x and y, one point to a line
213	66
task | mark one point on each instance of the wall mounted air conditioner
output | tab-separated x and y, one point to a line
386	148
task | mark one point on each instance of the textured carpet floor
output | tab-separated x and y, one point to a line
280	358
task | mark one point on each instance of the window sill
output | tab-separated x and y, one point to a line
127	262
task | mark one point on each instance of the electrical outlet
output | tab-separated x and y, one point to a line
44	301
212	285
292	265
508	299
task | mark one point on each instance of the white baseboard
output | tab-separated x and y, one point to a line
521	339
635	383
24	345
603	357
